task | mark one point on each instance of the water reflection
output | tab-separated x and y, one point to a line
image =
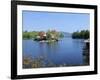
86	54
66	52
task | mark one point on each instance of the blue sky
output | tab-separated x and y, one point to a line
66	22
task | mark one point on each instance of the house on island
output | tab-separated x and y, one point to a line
50	35
41	36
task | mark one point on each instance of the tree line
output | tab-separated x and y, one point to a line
83	34
35	34
29	35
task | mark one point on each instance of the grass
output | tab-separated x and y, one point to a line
39	62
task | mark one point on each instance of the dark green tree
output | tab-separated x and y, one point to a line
83	34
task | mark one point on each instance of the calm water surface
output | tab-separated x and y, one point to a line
66	51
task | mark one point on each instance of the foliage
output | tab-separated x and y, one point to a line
52	34
49	35
61	35
83	34
29	35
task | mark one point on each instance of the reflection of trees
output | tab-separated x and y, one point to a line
86	54
52	47
48	49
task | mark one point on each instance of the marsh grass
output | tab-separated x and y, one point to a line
39	62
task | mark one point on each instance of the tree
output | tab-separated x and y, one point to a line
61	35
53	34
83	34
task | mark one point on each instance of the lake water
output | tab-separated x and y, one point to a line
66	51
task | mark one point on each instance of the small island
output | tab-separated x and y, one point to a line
42	36
49	36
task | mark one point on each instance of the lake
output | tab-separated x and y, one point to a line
65	52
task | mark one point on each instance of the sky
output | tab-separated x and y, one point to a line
59	21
